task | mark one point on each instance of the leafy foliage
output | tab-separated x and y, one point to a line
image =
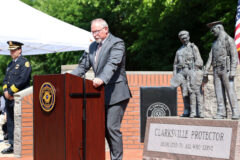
148	27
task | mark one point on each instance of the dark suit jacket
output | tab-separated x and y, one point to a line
110	68
18	75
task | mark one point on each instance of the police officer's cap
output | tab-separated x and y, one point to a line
14	45
210	25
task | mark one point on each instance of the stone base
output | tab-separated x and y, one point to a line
175	138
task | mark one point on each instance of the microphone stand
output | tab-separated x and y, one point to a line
84	108
84	95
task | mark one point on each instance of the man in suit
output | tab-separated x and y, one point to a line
17	78
107	58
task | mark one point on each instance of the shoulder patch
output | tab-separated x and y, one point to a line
27	64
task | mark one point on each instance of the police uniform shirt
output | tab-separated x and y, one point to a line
219	53
17	76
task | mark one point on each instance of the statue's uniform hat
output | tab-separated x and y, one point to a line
210	25
183	33
14	45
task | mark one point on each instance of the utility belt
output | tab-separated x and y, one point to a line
223	63
181	68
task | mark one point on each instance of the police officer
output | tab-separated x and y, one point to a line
223	57
186	59
17	78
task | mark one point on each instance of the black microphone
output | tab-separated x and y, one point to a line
83	56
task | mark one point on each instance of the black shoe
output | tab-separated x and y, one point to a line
185	115
7	150
5	137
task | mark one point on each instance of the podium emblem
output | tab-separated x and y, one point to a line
47	96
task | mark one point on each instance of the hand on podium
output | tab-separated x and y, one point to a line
97	82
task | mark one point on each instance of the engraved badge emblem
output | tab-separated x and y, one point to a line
17	66
47	96
158	109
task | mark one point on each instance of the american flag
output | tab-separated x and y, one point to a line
237	29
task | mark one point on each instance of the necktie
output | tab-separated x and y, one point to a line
97	53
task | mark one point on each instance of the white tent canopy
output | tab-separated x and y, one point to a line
39	32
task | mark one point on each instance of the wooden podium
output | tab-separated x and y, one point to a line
59	127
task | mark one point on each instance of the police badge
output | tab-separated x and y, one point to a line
17	66
47	96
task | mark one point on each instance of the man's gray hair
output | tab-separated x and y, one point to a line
101	21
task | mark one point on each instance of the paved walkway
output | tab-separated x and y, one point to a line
129	154
3	145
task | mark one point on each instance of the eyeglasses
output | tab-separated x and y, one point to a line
97	31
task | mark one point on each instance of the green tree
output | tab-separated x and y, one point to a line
4	60
158	26
149	27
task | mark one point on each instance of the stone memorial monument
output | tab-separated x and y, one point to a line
223	57
187	73
174	138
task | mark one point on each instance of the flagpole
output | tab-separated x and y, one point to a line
237	30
